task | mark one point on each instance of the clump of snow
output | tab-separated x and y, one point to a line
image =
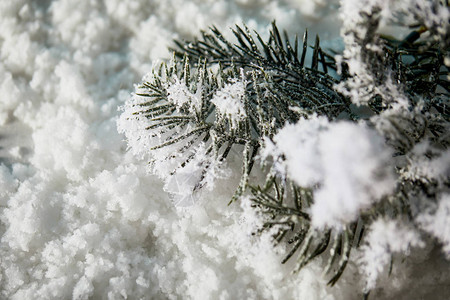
178	93
427	163
67	149
436	220
362	156
10	92
84	26
230	102
298	143
8	184
385	238
347	164
200	166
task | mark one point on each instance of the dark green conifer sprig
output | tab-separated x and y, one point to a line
279	87
419	64
423	76
415	64
292	81
286	208
186	125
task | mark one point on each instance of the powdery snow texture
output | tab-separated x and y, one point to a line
81	217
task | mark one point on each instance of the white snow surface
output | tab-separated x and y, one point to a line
81	218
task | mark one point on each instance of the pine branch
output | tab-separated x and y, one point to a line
182	107
291	80
419	64
271	85
286	207
420	74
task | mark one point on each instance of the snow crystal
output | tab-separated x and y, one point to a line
202	170
427	163
230	101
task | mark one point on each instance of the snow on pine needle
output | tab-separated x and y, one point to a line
346	164
165	120
385	238
186	122
190	120
230	101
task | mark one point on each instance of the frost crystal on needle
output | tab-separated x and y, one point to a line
180	95
229	102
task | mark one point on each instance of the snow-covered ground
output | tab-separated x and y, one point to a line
82	218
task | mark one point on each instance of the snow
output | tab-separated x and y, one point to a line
230	101
385	238
82	218
179	94
349	162
437	222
